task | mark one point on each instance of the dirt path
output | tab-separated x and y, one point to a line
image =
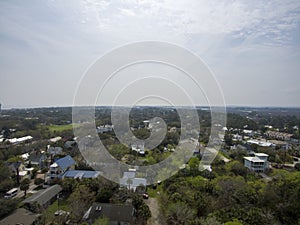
156	217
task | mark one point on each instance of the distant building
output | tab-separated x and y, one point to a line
139	148
105	128
55	139
20	140
115	213
258	163
278	135
261	143
54	150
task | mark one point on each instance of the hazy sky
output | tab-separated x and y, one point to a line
251	46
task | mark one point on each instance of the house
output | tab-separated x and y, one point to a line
105	128
115	213
43	198
60	166
18	168
20	216
261	143
131	182
279	135
20	140
37	158
54	150
55	139
69	144
258	163
139	148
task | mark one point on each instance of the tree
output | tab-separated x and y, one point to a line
80	200
104	195
5	178
180	214
143	211
194	165
24	185
7	206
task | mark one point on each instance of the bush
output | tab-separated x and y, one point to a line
38	181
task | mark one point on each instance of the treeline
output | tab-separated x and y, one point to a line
230	194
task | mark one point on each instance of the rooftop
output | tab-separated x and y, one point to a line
114	212
81	174
19	216
254	159
43	196
261	154
64	162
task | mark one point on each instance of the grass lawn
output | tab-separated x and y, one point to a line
60	128
49	212
153	192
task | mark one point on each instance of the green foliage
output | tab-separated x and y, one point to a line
234	222
79	201
194	165
24	185
38	181
104	195
119	150
6	182
7	206
180	214
101	221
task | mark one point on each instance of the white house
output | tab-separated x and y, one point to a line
60	166
258	163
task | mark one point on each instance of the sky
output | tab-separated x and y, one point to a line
251	47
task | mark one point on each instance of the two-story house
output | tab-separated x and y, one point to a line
258	163
60	166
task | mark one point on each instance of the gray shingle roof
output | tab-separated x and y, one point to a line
21	216
114	212
42	197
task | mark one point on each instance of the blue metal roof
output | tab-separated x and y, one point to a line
65	162
81	174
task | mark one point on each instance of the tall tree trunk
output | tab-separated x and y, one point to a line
18	177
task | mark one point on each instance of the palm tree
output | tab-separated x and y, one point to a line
24	186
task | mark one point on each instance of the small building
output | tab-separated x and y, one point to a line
20	140
115	213
258	163
60	166
55	139
105	128
43	198
139	148
54	150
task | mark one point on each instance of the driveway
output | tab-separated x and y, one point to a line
156	216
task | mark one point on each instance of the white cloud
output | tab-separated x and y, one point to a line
241	40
